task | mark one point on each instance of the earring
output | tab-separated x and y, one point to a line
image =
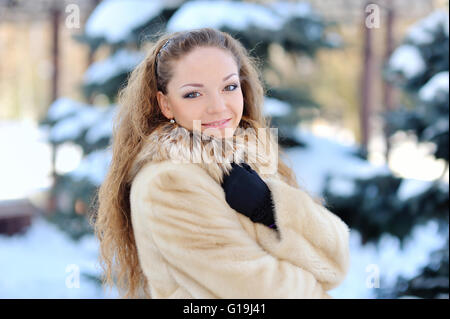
172	121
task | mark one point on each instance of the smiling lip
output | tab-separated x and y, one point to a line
217	123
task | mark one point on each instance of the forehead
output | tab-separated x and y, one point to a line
204	63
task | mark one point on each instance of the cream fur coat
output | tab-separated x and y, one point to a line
192	244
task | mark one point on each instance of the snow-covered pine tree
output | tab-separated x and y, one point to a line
390	204
121	27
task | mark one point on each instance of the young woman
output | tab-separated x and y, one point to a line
197	202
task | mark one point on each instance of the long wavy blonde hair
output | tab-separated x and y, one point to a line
138	115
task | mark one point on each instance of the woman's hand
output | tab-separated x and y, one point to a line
248	194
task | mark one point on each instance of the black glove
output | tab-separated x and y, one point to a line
248	194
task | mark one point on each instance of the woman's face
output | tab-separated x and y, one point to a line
205	86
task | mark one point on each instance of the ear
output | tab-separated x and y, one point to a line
163	103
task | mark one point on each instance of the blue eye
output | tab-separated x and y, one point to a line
188	95
235	85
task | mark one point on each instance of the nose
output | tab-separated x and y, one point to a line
217	104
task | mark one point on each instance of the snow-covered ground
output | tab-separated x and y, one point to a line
24	160
45	263
373	267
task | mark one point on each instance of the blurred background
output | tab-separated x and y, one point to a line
358	90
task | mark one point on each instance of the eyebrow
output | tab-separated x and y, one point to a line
201	85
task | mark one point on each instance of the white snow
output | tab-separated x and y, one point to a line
68	157
114	20
241	15
63	107
422	32
103	128
411	159
45	263
25	160
93	166
439	82
342	186
275	107
407	59
218	14
437	128
76	118
410	188
72	126
386	261
322	156
292	9
120	62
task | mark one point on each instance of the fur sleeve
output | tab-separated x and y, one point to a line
198	234
309	235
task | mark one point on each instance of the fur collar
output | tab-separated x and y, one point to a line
257	148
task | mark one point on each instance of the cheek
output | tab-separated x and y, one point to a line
190	113
237	104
